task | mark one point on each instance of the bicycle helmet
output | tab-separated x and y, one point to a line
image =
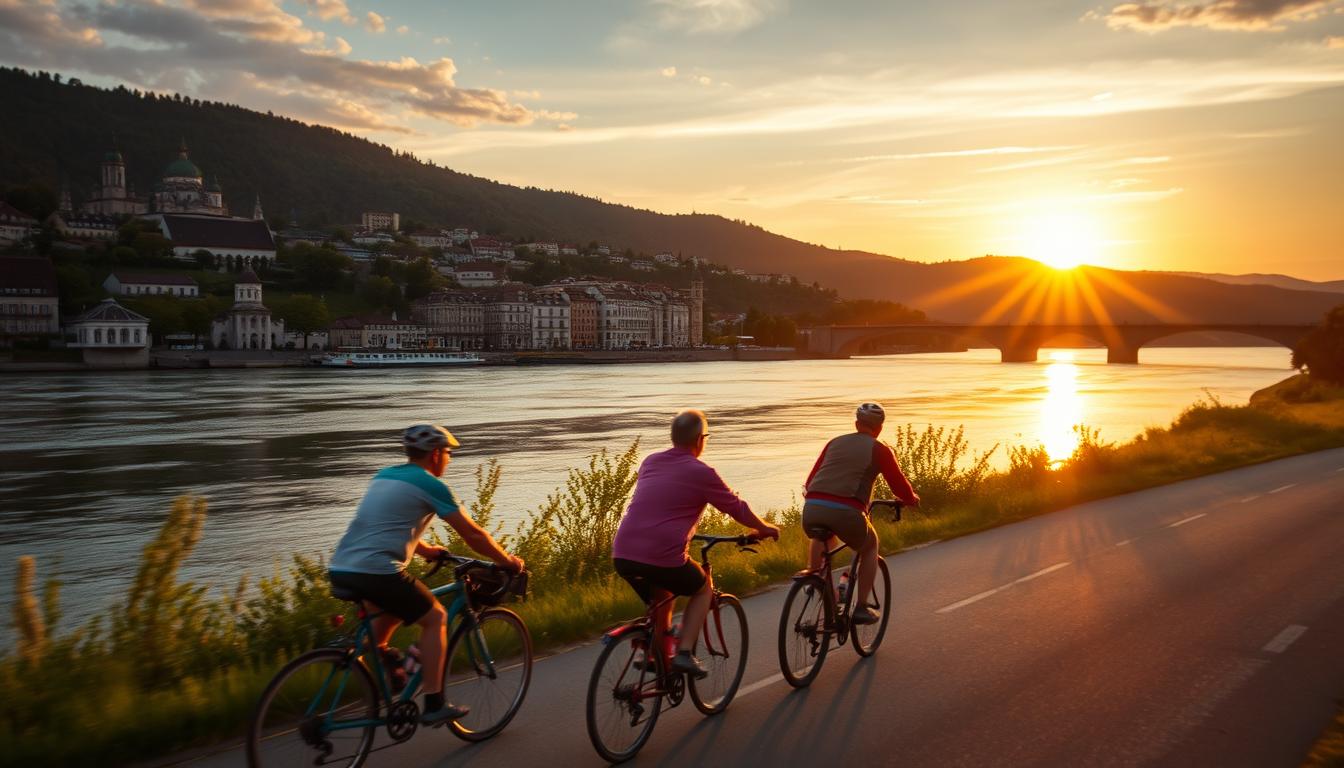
870	413
427	437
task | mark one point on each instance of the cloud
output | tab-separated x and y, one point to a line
713	16
1158	15
403	29
977	152
327	10
248	52
668	71
703	80
375	23
1334	42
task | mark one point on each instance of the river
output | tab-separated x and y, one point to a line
90	463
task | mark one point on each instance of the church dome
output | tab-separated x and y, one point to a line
112	157
182	167
212	185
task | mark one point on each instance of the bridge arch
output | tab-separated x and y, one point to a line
855	341
1283	337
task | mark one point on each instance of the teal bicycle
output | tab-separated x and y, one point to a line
327	706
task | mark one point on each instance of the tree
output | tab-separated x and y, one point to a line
164	312
421	278
1320	353
317	268
381	292
204	259
302	313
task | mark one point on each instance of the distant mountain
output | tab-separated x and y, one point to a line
1279	281
55	132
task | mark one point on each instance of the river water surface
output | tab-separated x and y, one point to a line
90	463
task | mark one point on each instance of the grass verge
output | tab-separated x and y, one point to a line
1328	752
172	667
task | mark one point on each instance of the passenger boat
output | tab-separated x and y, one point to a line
397	359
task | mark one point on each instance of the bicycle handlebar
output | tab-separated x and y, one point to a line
894	505
464	564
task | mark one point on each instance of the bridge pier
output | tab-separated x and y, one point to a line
1124	354
1018	353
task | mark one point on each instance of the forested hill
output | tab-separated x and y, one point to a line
56	131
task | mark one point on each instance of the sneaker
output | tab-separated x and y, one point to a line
866	615
444	715
686	664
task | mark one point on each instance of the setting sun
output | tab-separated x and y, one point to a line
1062	240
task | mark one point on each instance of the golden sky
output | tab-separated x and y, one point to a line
1185	135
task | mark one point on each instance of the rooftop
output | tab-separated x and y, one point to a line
108	310
218	232
165	278
32	273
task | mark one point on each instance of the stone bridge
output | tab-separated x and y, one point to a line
1020	343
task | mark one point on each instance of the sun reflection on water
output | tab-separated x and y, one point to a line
1062	408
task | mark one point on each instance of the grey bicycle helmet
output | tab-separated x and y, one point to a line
427	437
870	413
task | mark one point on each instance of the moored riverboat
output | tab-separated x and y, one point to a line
397	359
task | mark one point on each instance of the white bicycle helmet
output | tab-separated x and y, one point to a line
870	413
427	437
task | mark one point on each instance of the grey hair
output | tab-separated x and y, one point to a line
687	427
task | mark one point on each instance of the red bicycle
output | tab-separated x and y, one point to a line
626	692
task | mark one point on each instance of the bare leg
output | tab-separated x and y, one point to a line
383	626
694	617
433	647
817	548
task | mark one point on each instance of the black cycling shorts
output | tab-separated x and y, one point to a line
399	594
685	579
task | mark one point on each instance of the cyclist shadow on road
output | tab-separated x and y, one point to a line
801	723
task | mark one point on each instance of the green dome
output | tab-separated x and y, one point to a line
182	167
112	157
212	185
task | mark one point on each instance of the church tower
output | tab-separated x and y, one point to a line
257	215
114	177
697	306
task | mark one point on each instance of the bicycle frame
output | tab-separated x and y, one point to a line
363	637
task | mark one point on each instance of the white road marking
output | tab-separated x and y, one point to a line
1250	498
758	685
1283	487
1189	519
1285	638
921	546
996	590
1123	543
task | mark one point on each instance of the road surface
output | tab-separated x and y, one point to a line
1196	624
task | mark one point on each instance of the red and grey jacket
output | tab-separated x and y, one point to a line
847	468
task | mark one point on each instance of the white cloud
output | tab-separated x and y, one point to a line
714	16
245	51
1157	15
403	29
703	80
668	71
330	9
375	23
1334	42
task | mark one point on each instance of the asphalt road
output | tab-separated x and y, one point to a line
1198	624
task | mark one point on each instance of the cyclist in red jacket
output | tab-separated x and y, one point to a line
839	489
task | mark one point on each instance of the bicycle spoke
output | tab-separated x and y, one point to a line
318	710
723	652
623	698
489	668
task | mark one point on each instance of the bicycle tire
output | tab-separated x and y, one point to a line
873	633
725	672
271	739
618	658
803	637
486	718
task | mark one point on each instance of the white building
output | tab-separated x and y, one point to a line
643	265
29	304
84	226
111	336
248	324
317	340
455	319
489	248
15	225
544	248
155	285
508	319
551	320
666	257
373	238
478	275
624	319
569	249
427	239
371	220
244	242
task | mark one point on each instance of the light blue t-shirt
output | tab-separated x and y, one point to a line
390	519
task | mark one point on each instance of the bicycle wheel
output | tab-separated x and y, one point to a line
803	638
866	637
621	706
724	656
489	668
320	709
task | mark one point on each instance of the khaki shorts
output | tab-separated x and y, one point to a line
850	525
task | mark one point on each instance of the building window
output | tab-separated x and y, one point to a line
97	335
137	336
125	336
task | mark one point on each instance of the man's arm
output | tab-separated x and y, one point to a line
480	542
896	480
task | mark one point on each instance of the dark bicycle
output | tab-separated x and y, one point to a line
813	615
626	692
326	706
